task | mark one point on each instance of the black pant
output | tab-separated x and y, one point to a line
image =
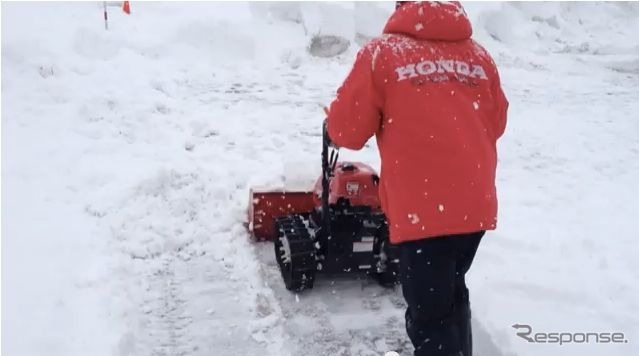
432	273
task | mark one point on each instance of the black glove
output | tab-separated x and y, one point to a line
325	135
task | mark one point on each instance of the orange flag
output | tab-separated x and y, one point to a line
126	7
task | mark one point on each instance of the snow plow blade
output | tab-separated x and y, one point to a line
266	206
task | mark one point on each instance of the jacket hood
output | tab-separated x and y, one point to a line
431	20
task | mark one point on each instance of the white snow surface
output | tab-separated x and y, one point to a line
128	154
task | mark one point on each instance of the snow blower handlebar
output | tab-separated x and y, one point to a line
329	161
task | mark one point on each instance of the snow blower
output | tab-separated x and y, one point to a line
337	228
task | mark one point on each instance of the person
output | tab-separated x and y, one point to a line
432	97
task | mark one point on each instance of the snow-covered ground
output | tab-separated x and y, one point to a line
127	156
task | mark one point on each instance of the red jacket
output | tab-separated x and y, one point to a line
432	97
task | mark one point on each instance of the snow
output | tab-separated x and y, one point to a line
128	155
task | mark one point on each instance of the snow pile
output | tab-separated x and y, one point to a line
127	156
558	27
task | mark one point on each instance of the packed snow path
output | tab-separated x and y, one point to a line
127	157
348	316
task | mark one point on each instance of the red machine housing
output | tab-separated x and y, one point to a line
353	181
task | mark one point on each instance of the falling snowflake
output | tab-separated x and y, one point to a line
440	207
414	219
476	105
419	26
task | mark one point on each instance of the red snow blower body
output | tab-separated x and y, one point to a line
336	228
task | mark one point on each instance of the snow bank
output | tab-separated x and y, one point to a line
558	27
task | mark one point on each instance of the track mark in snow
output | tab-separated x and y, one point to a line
167	319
